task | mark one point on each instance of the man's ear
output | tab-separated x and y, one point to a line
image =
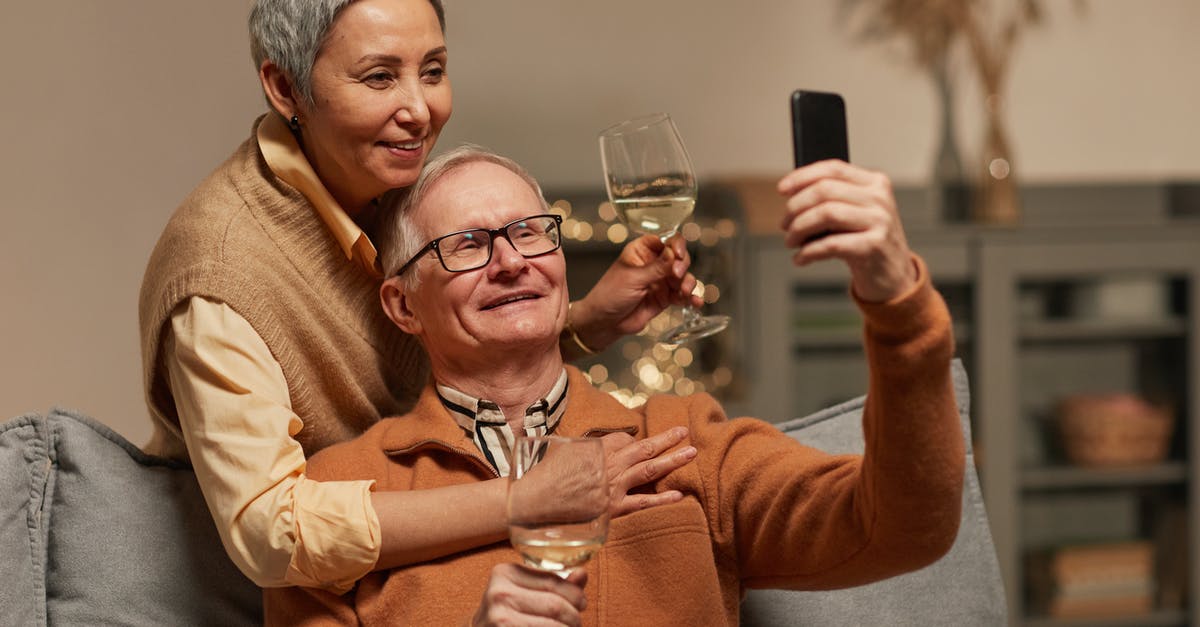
394	299
279	89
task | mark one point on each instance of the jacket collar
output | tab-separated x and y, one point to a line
590	412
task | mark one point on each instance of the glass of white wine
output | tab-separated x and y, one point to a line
650	182
557	501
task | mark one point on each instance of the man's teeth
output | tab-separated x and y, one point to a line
512	299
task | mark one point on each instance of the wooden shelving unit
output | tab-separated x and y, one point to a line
1018	364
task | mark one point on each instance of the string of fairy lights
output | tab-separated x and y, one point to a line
652	368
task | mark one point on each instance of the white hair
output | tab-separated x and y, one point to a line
398	236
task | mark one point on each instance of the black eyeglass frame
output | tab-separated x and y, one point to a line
502	231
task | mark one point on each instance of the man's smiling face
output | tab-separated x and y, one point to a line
514	302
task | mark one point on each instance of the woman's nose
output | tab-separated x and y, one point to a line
412	108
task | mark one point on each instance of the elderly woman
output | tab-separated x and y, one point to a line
262	336
478	276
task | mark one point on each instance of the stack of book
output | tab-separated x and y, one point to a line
1102	580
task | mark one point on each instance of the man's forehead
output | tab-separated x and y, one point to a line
474	191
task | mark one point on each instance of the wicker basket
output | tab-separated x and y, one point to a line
1114	430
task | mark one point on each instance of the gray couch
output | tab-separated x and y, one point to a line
94	532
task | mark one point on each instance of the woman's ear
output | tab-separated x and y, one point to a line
277	85
394	299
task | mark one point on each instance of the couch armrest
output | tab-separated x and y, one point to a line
962	588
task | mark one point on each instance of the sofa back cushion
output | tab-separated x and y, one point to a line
115	536
93	531
24	466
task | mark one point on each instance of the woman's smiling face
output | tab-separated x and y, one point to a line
380	99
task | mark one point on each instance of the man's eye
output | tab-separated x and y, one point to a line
467	242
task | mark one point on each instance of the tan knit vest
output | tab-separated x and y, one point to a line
247	239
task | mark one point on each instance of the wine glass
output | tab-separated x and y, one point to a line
650	183
557	501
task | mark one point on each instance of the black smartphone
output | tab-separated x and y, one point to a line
818	127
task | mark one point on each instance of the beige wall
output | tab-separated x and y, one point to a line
112	110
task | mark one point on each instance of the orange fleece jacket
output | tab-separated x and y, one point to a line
759	509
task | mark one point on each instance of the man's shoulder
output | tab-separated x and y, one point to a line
357	458
706	419
701	407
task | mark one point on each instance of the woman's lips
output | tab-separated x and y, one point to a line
406	150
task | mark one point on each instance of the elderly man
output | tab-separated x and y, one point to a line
478	276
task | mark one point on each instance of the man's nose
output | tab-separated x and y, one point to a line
505	258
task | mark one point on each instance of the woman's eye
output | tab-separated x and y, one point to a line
434	74
378	78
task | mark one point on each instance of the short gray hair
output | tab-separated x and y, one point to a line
398	237
291	32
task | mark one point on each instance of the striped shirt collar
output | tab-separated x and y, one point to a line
486	424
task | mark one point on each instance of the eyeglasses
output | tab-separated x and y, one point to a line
470	249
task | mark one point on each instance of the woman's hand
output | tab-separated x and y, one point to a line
518	595
836	210
632	463
647	278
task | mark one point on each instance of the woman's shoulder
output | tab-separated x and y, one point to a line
235	212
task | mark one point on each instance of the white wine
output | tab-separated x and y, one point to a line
557	556
656	215
558	547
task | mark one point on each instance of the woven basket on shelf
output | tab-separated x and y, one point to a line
1114	430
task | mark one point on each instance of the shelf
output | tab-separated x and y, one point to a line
1162	618
1020	365
1073	330
1070	477
846	338
849	337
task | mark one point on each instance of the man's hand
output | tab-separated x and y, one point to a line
840	211
632	463
518	595
647	278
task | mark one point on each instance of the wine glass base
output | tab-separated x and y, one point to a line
695	329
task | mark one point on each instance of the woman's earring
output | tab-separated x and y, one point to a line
294	124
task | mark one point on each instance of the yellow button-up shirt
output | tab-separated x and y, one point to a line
280	528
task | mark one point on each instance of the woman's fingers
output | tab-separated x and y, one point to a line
632	463
660	466
638	502
633	451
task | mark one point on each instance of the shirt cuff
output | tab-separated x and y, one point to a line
338	536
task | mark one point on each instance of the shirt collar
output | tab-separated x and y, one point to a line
283	155
468	410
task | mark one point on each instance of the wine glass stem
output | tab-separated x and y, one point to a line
689	313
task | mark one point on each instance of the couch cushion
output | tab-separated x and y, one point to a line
130	539
24	467
962	588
